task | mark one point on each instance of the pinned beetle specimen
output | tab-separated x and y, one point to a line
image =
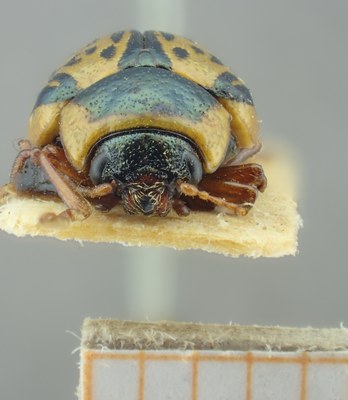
149	120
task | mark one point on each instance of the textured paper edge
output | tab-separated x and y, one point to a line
165	335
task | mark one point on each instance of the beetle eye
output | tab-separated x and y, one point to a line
194	166
97	167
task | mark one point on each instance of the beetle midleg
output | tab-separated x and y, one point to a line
247	174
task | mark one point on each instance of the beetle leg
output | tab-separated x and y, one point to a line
233	187
226	193
21	158
78	206
67	182
101	190
78	180
247	174
24	144
50	171
57	158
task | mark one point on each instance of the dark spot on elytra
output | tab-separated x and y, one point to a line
168	36
228	86
180	52
117	36
73	61
197	49
228	77
108	52
91	50
216	60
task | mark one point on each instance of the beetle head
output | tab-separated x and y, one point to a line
146	166
149	194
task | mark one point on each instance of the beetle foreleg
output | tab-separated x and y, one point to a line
233	187
192	191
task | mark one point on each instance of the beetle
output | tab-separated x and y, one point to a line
149	120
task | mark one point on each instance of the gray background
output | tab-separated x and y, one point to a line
293	54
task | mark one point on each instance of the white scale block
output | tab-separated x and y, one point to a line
213	375
221	380
114	379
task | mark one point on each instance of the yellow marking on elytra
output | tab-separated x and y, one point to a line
79	134
93	67
245	124
44	120
53	83
197	67
44	123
